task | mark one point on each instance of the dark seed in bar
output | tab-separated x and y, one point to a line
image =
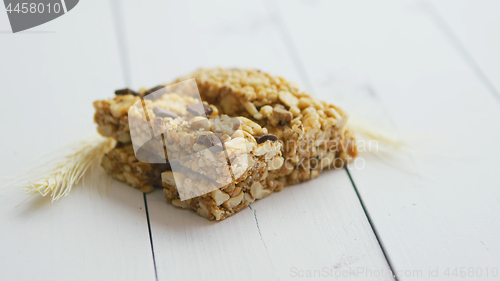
217	148
236	125
200	109
216	144
210	141
201	139
152	90
265	137
125	91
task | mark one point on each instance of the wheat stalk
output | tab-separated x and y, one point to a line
58	176
387	137
396	142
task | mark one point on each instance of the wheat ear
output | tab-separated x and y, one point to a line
58	176
386	137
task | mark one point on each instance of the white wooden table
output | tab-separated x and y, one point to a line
429	67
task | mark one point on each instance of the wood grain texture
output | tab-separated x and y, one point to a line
431	209
49	77
318	225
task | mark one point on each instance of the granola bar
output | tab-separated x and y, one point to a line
218	204
206	153
249	167
314	133
275	119
121	162
205	145
112	115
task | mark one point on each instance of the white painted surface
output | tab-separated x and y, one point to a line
178	37
437	209
49	77
476	27
430	210
318	225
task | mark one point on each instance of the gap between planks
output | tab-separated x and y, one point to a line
150	234
274	13
116	12
374	229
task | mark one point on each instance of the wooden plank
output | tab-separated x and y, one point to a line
437	209
197	39
311	226
473	27
50	76
305	228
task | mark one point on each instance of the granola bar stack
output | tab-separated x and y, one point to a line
249	135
